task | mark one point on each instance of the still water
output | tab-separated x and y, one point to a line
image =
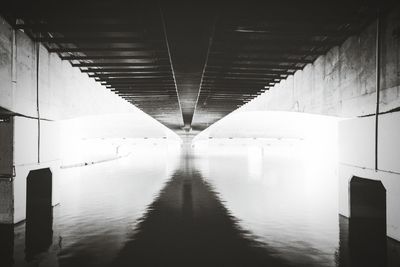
213	205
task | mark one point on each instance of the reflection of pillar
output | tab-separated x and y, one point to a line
187	200
39	232
6	245
344	257
367	242
361	243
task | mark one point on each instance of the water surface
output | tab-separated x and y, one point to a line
236	205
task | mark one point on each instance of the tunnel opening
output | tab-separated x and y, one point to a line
39	212
367	224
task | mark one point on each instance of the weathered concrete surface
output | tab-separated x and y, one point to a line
6	147
6	169
26	154
343	82
37	92
6	201
64	92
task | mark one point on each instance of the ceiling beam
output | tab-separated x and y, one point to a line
129	75
135	28
117	64
106	57
103	49
127	70
94	39
258	65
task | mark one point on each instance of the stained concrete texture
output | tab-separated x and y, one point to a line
37	91
343	82
6	147
64	92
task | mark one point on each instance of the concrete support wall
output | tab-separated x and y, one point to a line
343	82
29	151
6	170
63	91
6	146
357	158
37	90
6	201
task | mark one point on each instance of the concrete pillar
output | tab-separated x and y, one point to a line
6	171
357	159
24	150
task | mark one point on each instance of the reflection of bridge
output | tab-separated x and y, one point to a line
199	214
188	67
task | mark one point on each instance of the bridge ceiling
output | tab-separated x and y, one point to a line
188	65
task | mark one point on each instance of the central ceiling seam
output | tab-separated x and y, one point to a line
210	42
170	60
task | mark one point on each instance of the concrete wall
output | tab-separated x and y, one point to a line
6	147
357	158
64	92
342	82
27	155
6	201
6	170
37	91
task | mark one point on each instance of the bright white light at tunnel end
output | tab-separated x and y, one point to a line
312	134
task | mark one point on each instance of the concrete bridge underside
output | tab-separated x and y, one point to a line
349	67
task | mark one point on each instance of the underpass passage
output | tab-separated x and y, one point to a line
190	64
39	212
267	191
189	47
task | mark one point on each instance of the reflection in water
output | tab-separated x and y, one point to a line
187	204
363	243
6	245
104	202
248	206
39	233
367	239
187	225
280	197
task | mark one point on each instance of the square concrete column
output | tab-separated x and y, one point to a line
357	158
6	170
24	149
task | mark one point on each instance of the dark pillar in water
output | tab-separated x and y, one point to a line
39	212
363	239
6	245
